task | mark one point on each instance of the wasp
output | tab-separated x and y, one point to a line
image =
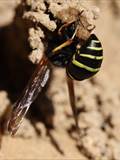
80	61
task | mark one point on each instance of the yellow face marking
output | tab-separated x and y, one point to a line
78	64
95	48
91	56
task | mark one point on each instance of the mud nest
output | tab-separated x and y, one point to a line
24	40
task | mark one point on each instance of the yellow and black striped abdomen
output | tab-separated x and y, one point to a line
87	60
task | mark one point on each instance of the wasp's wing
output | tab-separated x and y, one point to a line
35	85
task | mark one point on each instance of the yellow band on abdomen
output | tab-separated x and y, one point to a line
78	64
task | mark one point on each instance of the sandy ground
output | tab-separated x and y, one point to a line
48	132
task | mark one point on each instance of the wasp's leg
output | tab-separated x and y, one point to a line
66	43
70	84
63	26
67	24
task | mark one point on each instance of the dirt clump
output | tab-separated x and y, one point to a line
49	127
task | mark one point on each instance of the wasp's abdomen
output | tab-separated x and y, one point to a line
87	60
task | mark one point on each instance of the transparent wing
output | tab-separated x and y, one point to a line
35	85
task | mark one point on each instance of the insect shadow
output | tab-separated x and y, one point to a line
15	70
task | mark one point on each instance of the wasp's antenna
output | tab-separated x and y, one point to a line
74	34
79	21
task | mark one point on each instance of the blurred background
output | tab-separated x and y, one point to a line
48	131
